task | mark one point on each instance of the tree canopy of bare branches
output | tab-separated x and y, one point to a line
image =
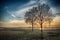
41	13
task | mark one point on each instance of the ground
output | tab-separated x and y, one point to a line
28	34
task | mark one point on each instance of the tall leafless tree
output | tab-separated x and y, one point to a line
31	15
43	10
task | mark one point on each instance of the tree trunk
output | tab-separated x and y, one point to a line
32	24
41	29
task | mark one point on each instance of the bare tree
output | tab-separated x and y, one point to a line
41	13
30	16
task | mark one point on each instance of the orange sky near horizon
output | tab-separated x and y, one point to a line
21	23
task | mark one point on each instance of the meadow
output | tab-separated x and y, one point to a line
28	34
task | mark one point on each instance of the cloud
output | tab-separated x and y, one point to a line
43	1
55	10
30	3
56	22
16	21
11	13
21	12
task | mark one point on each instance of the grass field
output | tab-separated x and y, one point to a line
28	34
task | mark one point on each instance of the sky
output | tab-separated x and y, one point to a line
15	9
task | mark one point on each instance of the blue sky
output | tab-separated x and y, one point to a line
15	9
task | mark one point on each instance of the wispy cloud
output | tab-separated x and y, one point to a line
20	12
25	7
30	3
11	14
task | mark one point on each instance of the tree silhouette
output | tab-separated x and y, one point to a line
43	13
40	13
31	15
